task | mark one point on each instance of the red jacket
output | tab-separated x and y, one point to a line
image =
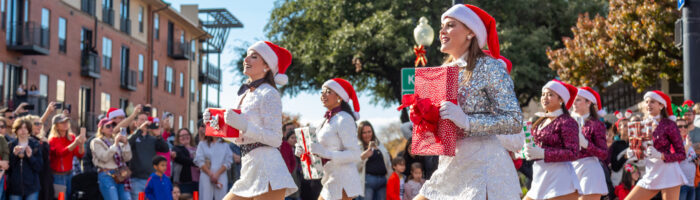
621	192
393	187
60	157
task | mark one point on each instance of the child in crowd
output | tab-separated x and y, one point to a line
629	179
415	181
159	186
176	192
395	186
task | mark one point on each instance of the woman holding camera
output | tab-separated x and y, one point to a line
110	152
25	163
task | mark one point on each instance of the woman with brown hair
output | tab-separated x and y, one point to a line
376	162
185	151
110	151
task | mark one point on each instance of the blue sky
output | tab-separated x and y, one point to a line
254	16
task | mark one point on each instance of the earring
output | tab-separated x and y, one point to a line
339	101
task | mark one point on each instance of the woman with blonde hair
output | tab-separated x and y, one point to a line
64	145
110	152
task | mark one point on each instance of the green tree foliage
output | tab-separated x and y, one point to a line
369	41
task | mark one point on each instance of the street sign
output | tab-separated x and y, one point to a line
681	3
408	77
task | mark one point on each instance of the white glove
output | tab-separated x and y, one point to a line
298	150
206	116
630	154
651	152
320	150
449	110
235	120
582	141
533	153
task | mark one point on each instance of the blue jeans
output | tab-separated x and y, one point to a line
32	196
137	186
2	187
375	187
111	190
63	180
687	193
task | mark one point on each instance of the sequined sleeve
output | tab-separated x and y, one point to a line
267	130
568	149
595	133
674	138
505	116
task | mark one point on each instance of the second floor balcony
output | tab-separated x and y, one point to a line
28	38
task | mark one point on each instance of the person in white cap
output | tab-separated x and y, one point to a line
556	139
594	148
263	172
487	106
662	172
338	145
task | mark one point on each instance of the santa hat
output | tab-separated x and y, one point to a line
662	98
564	90
480	22
689	103
276	57
346	92
504	60
153	119
591	95
115	112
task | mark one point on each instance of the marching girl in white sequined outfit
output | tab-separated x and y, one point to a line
263	172
481	167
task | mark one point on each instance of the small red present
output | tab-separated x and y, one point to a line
432	135
217	127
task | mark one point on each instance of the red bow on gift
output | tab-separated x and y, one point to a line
306	156
424	114
420	55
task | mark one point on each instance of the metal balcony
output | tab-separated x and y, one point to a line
125	25
180	51
128	80
90	64
29	38
210	73
108	15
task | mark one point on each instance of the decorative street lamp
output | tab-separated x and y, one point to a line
423	34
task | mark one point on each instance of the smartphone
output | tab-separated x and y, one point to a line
58	105
29	107
146	109
153	126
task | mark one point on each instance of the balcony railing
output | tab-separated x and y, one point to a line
90	64
125	25
108	15
88	6
180	50
210	73
29	38
128	80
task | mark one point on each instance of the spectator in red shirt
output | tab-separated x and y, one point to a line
64	145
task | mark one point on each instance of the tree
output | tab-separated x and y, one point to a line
369	41
635	42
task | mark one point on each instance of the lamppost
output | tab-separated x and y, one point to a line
423	34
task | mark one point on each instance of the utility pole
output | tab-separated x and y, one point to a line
691	49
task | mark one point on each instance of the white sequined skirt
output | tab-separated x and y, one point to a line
261	169
552	179
661	175
481	168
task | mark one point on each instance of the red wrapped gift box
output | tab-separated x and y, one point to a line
217	127
432	135
640	136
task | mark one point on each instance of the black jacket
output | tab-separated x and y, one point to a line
143	149
23	174
183	158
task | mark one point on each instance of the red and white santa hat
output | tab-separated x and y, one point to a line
480	22
593	96
115	112
504	60
662	98
276	57
346	92
566	91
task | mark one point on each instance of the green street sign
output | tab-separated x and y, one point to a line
408	77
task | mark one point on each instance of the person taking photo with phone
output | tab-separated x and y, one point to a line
143	147
64	145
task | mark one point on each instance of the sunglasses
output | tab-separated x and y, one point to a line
11	117
109	126
683	126
37	123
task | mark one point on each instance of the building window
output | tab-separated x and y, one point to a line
123	103
141	19
124	21
156	26
124	60
192	90
43	85
179	122
107	53
140	68
60	91
169	79
106	102
62	34
182	84
192	128
193	49
85	39
155	73
88	6
107	12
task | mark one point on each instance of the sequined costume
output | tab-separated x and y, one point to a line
554	176
481	167
338	135
662	174
588	169
263	166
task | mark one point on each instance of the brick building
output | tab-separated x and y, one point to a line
100	54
